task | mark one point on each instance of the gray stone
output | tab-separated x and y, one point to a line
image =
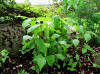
11	37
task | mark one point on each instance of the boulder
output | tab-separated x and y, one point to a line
11	37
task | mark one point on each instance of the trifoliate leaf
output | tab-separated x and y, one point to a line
86	46
70	62
56	21
75	42
81	29
62	42
74	64
60	56
4	53
31	29
50	60
77	57
26	23
87	37
41	45
84	50
31	44
27	37
54	36
40	60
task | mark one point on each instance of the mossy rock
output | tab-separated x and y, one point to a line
96	62
11	37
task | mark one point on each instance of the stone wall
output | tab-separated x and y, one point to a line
11	37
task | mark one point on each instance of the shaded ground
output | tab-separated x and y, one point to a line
15	64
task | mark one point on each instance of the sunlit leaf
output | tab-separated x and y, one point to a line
41	45
50	60
70	62
31	29
54	36
81	29
77	57
27	37
84	50
26	23
62	42
56	22
74	64
87	37
31	44
60	56
40	60
75	42
86	46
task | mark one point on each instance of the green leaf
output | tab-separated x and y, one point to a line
59	9
58	66
77	57
26	23
37	69
27	46
47	45
33	22
66	1
87	37
96	65
68	55
56	22
53	42
86	46
22	17
0	64
64	64
33	67
62	42
31	44
31	29
67	45
22	72
27	37
4	53
54	36
60	56
81	29
72	69
3	60
50	60
74	64
84	50
70	62
40	60
46	33
41	45
75	42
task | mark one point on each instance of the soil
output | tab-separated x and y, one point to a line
23	62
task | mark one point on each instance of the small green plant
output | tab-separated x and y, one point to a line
22	72
43	41
85	12
3	56
51	43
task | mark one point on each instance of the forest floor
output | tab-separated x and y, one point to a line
23	62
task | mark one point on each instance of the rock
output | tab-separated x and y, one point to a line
97	59
11	37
